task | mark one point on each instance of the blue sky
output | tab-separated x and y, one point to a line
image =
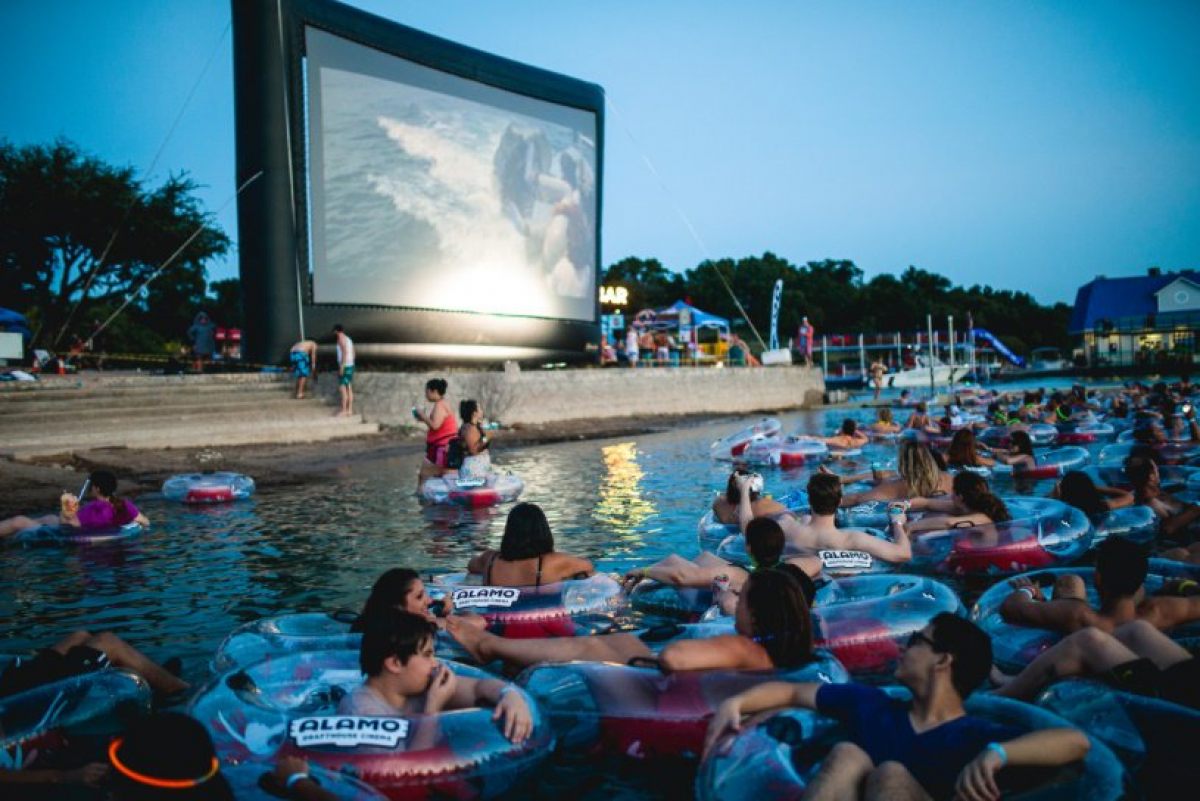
1023	145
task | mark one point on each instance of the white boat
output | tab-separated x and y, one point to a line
1044	360
943	374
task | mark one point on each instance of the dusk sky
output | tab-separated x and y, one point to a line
1026	145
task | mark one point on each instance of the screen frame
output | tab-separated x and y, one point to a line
273	212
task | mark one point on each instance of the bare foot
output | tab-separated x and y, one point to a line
472	638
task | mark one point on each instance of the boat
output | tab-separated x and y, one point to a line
919	376
1047	360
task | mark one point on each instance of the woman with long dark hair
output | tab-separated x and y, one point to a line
774	630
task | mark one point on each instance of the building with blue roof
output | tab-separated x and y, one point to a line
1141	320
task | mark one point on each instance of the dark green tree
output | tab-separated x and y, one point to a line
63	209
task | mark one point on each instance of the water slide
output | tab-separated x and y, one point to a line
990	338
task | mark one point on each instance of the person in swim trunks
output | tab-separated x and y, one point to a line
1135	657
1121	568
405	678
929	748
345	357
84	652
304	364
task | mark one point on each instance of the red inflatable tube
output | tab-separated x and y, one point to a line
1013	556
787	459
862	646
209	495
1075	438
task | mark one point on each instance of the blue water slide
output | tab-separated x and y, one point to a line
990	338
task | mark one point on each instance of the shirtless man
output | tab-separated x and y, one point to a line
817	533
1120	574
304	364
345	357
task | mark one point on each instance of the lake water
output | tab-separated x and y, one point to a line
200	572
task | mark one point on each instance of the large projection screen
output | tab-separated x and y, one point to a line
431	191
440	202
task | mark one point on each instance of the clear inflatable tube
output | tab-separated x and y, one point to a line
778	756
564	609
288	705
642	712
1058	534
1084	433
208	487
1135	523
1001	436
794	451
865	620
40	718
732	446
497	488
298	632
1014	647
70	535
1051	463
1154	739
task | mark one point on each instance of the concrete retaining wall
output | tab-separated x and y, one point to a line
544	396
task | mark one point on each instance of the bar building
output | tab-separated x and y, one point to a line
1142	320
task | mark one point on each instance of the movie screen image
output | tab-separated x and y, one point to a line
432	191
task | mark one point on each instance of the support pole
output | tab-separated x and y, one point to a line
950	325
862	360
824	355
932	379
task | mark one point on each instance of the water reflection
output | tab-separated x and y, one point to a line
621	506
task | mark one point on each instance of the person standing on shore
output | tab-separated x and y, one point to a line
804	340
304	364
631	346
877	370
345	357
204	342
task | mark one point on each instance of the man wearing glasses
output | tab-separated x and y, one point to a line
929	748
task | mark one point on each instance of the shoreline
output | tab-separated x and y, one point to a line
33	487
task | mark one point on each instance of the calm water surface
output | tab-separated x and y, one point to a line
198	573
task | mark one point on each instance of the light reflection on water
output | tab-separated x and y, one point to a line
201	572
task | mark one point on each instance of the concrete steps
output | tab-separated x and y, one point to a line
74	414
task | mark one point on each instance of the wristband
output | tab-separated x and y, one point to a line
1028	592
505	690
999	751
295	777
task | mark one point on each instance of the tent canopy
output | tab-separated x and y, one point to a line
14	322
699	319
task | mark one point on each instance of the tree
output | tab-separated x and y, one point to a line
225	305
650	284
78	230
